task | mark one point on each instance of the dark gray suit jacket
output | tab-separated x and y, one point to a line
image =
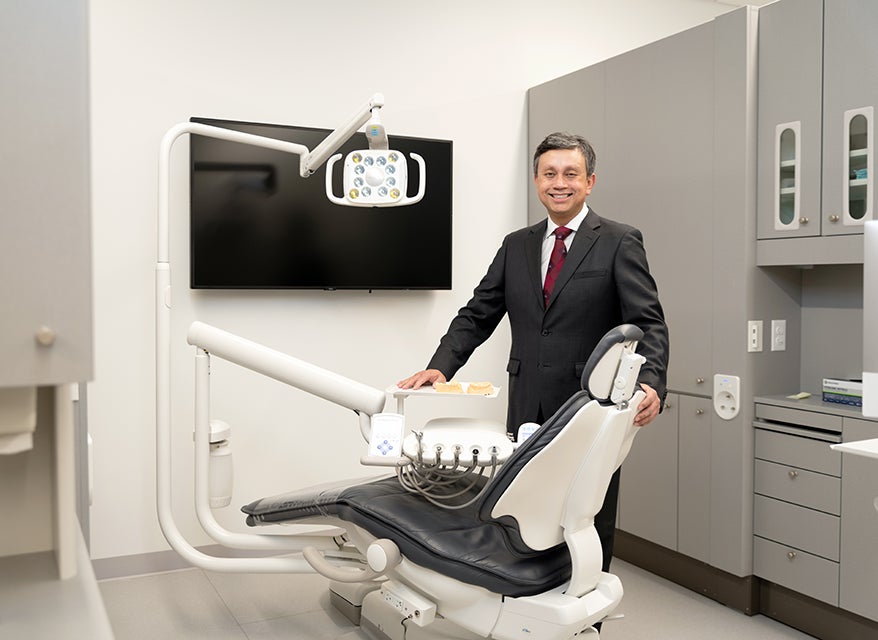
605	281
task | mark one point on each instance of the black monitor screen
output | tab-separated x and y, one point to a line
257	224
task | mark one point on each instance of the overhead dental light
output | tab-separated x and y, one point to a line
377	177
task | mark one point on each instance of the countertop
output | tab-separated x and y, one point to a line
816	404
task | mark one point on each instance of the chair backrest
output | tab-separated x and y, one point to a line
550	489
534	490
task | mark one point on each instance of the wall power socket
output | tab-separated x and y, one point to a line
726	395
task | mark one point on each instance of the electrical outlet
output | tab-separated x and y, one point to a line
778	335
754	335
726	395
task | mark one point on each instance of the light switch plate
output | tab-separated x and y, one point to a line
754	335
778	335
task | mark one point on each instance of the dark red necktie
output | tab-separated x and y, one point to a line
556	260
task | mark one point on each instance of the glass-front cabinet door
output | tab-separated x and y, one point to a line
789	147
787	187
818	64
850	93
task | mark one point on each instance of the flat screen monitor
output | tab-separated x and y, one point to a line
257	224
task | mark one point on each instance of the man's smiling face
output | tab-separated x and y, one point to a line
562	184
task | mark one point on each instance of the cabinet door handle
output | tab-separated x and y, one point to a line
834	218
791	555
793	474
803	220
45	336
699	412
699	380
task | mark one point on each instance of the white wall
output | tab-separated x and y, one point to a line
460	70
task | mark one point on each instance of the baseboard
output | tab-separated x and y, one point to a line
750	595
159	561
732	591
813	617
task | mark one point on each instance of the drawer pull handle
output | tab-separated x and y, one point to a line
793	474
791	555
45	336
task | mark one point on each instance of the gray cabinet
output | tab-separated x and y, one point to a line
796	505
816	129
45	236
790	118
46	317
664	495
693	471
859	525
679	97
648	486
673	124
815	522
850	97
644	166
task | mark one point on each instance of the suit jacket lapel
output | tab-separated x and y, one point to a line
534	255
583	241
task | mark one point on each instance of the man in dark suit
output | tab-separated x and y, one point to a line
603	281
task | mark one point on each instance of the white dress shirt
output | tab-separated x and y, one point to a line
549	240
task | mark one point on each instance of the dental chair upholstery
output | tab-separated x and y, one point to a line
466	544
531	531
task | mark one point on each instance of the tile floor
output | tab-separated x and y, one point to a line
194	604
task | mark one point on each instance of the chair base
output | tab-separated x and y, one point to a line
347	597
366	606
381	621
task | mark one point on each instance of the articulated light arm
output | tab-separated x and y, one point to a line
322	152
310	161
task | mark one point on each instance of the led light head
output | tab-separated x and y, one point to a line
375	178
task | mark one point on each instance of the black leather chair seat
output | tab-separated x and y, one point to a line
455	543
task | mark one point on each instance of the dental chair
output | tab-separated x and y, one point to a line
512	556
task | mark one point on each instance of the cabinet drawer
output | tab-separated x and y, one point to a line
812	531
814	419
797	570
802	453
800	486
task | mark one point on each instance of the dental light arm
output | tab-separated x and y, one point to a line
314	160
319	382
309	161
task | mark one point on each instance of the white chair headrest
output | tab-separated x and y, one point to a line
602	368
